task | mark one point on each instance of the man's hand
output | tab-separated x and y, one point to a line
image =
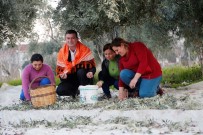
89	75
63	76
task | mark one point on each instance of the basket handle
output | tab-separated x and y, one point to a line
36	79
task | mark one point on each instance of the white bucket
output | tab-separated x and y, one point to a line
88	93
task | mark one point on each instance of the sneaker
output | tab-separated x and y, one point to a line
160	92
76	94
73	96
22	97
104	97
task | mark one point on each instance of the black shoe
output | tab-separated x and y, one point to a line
73	96
77	93
104	97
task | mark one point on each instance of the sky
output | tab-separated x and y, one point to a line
40	27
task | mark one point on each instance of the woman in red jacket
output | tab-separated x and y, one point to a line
139	69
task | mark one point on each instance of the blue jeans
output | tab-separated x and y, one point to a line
44	81
146	87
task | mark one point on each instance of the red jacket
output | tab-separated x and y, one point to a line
141	60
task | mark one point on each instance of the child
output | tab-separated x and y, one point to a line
109	74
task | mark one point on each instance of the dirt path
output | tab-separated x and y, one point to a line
67	118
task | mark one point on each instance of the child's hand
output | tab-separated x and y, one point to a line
100	83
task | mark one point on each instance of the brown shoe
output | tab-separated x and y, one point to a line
160	92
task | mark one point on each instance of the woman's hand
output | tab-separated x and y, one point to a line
122	93
89	75
133	83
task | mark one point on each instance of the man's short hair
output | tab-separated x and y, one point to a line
72	32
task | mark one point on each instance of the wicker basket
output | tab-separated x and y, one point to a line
42	95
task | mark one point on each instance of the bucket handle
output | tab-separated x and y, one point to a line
36	79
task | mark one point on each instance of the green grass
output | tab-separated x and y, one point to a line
181	76
172	77
19	82
96	79
57	81
15	82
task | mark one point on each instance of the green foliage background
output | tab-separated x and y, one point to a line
17	18
180	76
172	77
158	23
